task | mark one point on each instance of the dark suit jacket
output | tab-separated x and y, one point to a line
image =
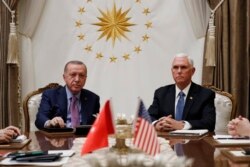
199	109
54	103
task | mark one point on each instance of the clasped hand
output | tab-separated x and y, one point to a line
239	127
168	124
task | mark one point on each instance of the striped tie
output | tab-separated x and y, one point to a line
74	112
180	106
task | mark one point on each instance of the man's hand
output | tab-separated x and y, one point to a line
243	127
233	126
57	122
168	124
15	130
8	133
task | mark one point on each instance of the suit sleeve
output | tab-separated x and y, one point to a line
154	108
207	109
95	110
44	110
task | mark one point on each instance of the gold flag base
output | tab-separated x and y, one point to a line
121	147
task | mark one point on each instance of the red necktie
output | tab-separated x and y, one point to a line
74	112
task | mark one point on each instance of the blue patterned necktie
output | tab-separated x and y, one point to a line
180	106
74	112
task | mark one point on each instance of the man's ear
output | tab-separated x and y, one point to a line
193	70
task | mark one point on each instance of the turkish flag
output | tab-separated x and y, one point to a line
98	134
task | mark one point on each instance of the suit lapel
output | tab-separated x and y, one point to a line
62	102
84	107
170	99
189	100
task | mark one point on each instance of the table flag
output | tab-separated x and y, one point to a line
98	134
145	137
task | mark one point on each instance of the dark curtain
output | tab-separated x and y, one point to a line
231	72
9	92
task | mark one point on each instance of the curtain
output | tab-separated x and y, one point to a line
198	14
29	16
231	72
9	101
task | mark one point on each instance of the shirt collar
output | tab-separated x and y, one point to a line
69	94
185	90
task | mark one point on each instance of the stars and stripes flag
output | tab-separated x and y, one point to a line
145	137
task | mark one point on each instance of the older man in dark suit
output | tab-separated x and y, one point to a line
71	105
183	105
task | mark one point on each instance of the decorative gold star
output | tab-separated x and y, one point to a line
113	59
137	49
88	48
146	11
81	10
149	24
145	37
78	23
99	56
126	56
81	37
114	24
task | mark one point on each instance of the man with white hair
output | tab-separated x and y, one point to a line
185	104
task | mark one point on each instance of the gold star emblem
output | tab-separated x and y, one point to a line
146	11
99	56
149	24
78	23
80	37
113	59
145	37
88	48
137	49
114	24
126	56
81	10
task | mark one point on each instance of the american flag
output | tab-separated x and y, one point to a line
145	135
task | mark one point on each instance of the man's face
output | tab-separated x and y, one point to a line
182	71
75	77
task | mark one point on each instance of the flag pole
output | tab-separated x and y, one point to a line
123	132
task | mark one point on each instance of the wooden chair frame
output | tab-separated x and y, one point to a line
26	101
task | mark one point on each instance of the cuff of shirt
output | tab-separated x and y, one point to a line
187	125
47	124
154	122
